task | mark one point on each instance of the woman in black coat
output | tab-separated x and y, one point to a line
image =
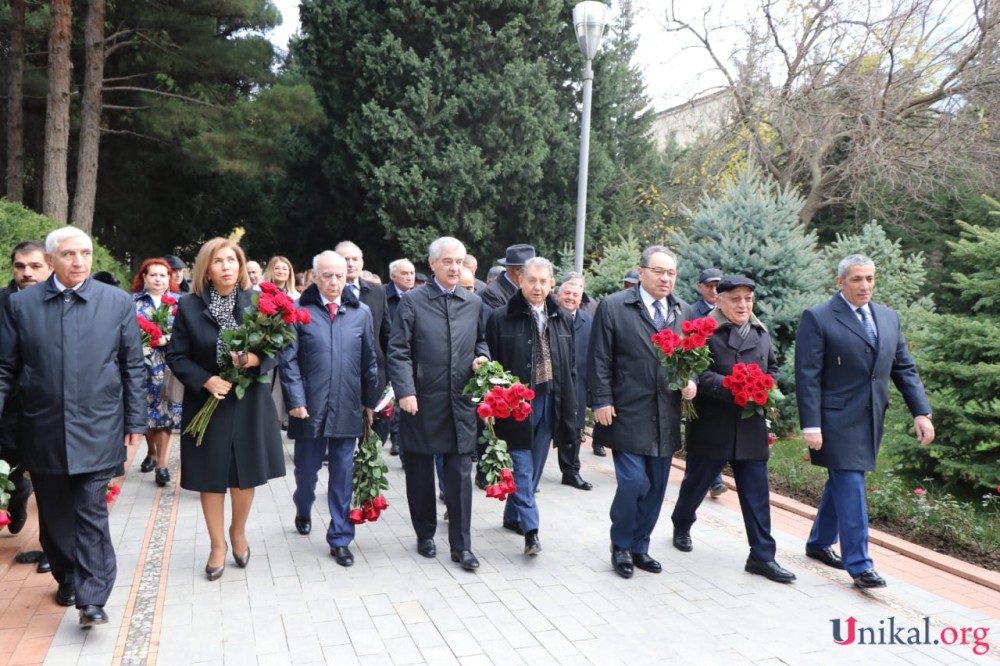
241	448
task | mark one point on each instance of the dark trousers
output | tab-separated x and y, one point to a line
74	532
420	492
843	513
642	484
308	460
751	488
569	457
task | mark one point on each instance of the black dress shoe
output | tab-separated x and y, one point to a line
646	563
91	615
869	578
147	465
827	556
771	570
621	560
18	512
682	541
44	566
576	481
162	476
466	559
600	451
343	555
426	547
513	526
303	525
394	449
532	546
66	595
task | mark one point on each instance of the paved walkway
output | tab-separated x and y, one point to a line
295	605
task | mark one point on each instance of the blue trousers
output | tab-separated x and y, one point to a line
642	485
528	465
843	513
751	488
308	458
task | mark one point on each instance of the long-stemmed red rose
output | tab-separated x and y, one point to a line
369	478
266	330
498	395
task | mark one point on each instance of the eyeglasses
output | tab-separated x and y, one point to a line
660	272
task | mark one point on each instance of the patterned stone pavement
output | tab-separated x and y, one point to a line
295	605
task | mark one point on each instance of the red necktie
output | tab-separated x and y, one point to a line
332	307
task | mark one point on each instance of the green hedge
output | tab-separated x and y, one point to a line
18	224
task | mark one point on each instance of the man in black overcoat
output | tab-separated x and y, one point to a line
86	391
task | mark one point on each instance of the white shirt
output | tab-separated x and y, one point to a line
648	301
867	310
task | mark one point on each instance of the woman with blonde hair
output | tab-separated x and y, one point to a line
241	448
280	273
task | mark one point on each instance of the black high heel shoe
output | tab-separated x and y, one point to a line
241	560
215	573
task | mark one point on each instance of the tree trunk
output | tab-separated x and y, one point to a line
55	199
15	105
90	118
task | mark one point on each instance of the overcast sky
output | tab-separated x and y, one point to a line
673	73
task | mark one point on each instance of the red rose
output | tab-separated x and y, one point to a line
706	326
689	343
167	299
699	339
284	302
173	311
768	382
760	397
727	382
388	411
770	439
688	327
380	503
506	474
492	491
739	368
290	317
529	394
267	305
268	288
371	514
4	518
508	487
484	410
741	399
303	316
356	517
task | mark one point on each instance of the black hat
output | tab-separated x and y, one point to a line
106	278
632	277
731	282
174	262
710	275
517	255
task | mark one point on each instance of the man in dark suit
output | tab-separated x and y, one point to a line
499	291
29	268
846	351
437	344
638	416
721	434
372	295
86	387
402	273
568	449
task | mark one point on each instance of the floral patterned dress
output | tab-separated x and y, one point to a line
160	413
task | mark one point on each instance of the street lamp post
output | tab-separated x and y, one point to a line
588	23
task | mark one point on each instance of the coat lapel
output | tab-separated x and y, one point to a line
846	316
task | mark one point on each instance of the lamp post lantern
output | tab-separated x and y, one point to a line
588	23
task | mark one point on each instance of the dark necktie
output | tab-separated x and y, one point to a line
659	321
866	323
332	307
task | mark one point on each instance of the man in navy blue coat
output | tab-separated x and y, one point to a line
846	351
328	375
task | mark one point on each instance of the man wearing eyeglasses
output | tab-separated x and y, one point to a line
638	416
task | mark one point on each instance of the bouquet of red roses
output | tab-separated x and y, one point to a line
152	336
369	479
266	330
685	356
162	316
498	395
753	390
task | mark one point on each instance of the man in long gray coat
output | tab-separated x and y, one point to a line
437	343
73	349
328	375
638	416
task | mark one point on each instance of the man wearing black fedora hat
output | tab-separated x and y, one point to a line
498	292
177	267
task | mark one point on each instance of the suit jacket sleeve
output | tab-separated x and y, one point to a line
369	366
600	368
904	376
810	346
291	374
400	354
133	371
